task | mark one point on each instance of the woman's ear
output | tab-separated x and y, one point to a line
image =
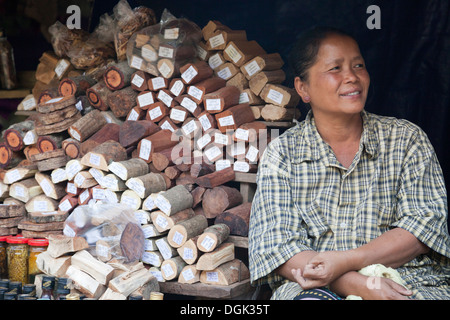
301	88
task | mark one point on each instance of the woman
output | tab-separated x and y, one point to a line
345	189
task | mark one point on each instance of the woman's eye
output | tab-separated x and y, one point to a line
359	65
334	68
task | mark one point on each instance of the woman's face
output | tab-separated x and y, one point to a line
338	82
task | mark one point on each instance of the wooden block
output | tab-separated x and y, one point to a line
61	244
226	274
213	259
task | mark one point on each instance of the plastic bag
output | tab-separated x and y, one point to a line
163	48
63	38
111	230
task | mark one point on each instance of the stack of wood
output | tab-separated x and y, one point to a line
69	257
245	64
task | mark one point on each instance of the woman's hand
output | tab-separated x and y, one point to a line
323	268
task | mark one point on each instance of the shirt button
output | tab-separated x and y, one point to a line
343	225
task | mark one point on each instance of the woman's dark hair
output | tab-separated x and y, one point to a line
304	52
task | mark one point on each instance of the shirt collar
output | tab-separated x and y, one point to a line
312	147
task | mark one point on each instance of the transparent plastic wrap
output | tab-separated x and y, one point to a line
111	231
163	48
63	38
127	22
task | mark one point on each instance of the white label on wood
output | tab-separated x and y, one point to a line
188	253
40	206
241	166
252	68
189	127
215	61
177	114
242	134
195	92
177	87
118	170
13	175
58	175
30	138
220	138
201	53
178	238
167	125
73	169
165	52
155	113
84	195
207	242
137	80
203	141
149	231
96	174
72	188
146	148
243	98
172	33
212	276
275	96
79	179
136	62
204	121
148	54
233	53
212	153
189	74
136	187
222	164
46	186
188	274
111	196
226	121
164	249
140	216
252	154
133	116
216	41
164	97
145	99
151	258
74	133
189	104
54	100
162	204
109	183
149	204
212	104
165	70
129	201
79	105
161	221
98	194
61	67
158	83
29	104
94	159
225	73
20	191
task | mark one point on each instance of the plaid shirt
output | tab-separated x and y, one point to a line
306	200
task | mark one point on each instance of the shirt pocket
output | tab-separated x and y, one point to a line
374	218
314	220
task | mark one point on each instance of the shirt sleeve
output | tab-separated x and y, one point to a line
422	198
275	232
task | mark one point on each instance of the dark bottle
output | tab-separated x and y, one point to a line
15	286
3	290
48	284
9	296
62	288
29	289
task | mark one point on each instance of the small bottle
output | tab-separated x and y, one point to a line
29	289
3	290
4	283
156	295
3	259
8	79
15	286
62	288
36	247
48	284
17	255
10	296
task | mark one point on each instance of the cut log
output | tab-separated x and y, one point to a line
9	158
177	87
56	104
131	132
163	223
17	174
189	274
167	68
87	125
72	148
156	142
216	178
271	112
129	168
118	75
50	142
241	51
131	199
137	113
122	101
15	134
221	255
237	219
173	200
221	99
280	95
258	82
102	155
172	267
165	249
153	258
239	81
212	237
158	83
220	198
42	129
145	99
53	266
107	249
130	281
52	163
75	86
139	80
59	245
113	183
226	71
98	95
48	93
98	270
250	132
54	191
234	117
187	229
25	190
156	111
226	274
85	283
198	90
84	180
266	62
192	73
146	184
41	203
47	217
207	120
189	251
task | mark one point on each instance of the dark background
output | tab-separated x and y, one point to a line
408	58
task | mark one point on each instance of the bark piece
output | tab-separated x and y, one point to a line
220	198
98	95
131	132
87	125
59	245
100	271
132	242
122	101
